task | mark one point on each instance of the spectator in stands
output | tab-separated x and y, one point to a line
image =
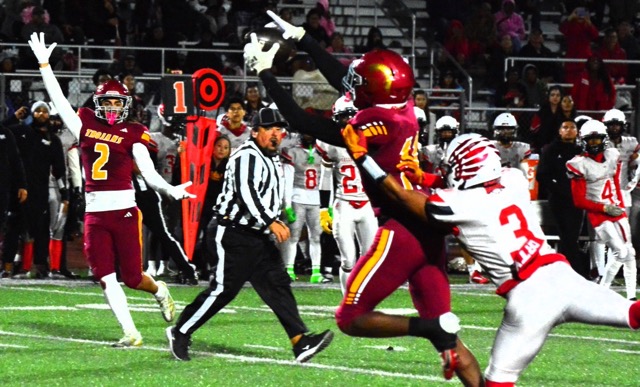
127	64
631	46
622	10
594	89
481	32
536	89
36	19
201	59
578	33
452	103
610	49
511	92
510	23
545	123
262	18
456	43
568	108
98	78
136	110
311	90
374	40
530	7
100	21
252	101
314	29
337	46
151	60
233	65
555	184
146	14
535	48
421	100
325	17
496	67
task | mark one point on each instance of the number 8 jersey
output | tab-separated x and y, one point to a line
498	226
306	163
107	159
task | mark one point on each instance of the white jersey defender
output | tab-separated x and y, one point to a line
353	216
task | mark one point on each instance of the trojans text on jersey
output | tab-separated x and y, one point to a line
108	137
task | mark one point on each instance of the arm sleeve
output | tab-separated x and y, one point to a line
329	66
68	115
148	170
11	120
75	173
321	128
248	169
59	169
579	192
289	171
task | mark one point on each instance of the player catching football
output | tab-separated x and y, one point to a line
504	236
109	146
380	83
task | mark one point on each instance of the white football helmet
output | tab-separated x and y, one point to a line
616	123
343	108
580	120
504	128
593	129
446	123
471	160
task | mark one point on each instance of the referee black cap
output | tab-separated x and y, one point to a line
267	117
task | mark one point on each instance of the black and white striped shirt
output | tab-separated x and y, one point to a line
253	188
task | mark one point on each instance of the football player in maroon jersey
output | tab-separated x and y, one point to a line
109	147
380	83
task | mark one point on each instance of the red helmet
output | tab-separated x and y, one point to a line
112	89
379	77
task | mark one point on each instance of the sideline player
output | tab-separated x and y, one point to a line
596	188
514	154
109	146
380	83
503	234
353	215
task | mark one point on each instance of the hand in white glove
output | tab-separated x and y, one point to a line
178	192
612	210
289	31
39	49
257	59
631	185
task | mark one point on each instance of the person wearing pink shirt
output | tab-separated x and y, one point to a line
511	23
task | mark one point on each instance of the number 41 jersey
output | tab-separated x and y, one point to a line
497	225
106	151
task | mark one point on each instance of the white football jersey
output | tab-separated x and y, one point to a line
306	177
498	226
235	140
627	147
600	177
346	175
167	154
434	155
512	156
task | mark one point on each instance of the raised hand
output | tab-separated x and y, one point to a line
289	31
255	58
39	49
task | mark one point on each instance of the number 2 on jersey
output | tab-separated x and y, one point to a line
348	172
97	173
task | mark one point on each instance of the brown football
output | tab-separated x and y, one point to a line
270	36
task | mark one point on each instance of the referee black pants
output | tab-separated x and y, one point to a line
244	256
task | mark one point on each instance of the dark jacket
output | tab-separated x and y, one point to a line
552	170
12	176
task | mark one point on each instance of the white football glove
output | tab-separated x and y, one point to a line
289	31
39	49
631	185
255	58
612	210
178	192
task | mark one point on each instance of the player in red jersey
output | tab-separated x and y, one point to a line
109	147
380	83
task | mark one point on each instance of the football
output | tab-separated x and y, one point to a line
269	36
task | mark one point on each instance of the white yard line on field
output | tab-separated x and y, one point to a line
13	346
247	359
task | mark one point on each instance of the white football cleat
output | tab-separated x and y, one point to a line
130	340
167	306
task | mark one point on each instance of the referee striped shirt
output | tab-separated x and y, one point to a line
253	188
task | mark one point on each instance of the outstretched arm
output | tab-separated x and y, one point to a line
42	53
153	178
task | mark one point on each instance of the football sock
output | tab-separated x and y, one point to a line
634	315
489	383
162	293
117	301
291	272
27	256
596	252
55	254
442	335
344	276
630	272
610	271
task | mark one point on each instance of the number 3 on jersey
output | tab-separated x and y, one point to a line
531	244
97	173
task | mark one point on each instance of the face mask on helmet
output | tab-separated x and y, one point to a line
343	109
471	160
379	77
593	136
615	121
505	135
112	102
446	129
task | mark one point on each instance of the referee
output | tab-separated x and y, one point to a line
248	227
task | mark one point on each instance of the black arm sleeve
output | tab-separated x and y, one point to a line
325	198
329	66
319	127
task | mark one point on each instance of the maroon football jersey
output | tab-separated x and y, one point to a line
392	137
106	151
